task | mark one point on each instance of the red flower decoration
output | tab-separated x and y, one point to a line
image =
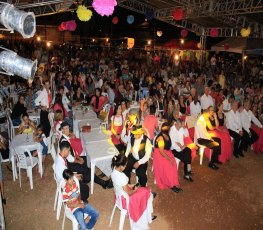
60	28
214	32
178	14
63	25
184	33
71	25
115	20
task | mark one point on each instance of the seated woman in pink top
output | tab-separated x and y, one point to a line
58	105
151	122
97	101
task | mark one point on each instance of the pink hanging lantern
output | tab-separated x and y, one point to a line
184	33
115	20
104	7
178	14
214	32
63	25
71	25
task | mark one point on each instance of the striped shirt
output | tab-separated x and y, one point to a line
71	194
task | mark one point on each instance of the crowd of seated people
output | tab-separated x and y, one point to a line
227	110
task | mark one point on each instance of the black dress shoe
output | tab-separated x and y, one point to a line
213	166
177	190
241	154
188	178
154	217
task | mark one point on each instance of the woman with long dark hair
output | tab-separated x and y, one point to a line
97	101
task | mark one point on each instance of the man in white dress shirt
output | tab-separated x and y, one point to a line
247	116
206	99
234	125
139	150
205	139
180	151
227	103
44	99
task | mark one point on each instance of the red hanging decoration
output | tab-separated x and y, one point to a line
214	32
60	28
184	33
63	25
71	25
115	20
178	14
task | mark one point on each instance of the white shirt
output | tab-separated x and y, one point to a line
119	180
135	150
117	120
200	129
70	158
195	109
171	82
233	121
42	99
60	166
65	102
246	118
206	101
177	136
226	105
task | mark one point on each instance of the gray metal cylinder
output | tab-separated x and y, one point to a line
14	19
16	65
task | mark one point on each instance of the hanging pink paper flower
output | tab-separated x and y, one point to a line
214	32
184	33
60	28
178	14
63	25
115	20
71	25
104	7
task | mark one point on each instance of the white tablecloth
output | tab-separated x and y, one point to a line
100	152
135	105
21	141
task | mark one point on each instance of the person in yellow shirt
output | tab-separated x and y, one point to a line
27	126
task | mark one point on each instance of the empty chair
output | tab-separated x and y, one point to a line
105	123
25	162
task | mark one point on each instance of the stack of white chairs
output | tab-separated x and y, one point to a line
118	204
25	162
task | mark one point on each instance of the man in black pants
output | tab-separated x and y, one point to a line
234	125
180	151
44	100
79	164
204	138
138	151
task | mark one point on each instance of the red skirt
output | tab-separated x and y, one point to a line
165	172
258	145
226	144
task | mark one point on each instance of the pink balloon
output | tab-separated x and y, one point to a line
71	25
104	7
214	32
184	33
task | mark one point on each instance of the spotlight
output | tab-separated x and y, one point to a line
176	57
149	42
14	19
245	57
107	39
93	40
48	44
13	64
38	38
182	41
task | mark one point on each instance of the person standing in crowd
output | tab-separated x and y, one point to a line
71	196
44	99
138	151
179	149
164	164
195	107
250	136
206	99
150	123
117	123
205	139
18	110
234	125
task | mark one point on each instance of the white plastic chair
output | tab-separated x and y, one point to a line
105	123
11	127
27	163
118	204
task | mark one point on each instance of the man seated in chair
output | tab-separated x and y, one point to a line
77	163
180	151
205	139
138	151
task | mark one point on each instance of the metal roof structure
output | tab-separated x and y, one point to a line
228	16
